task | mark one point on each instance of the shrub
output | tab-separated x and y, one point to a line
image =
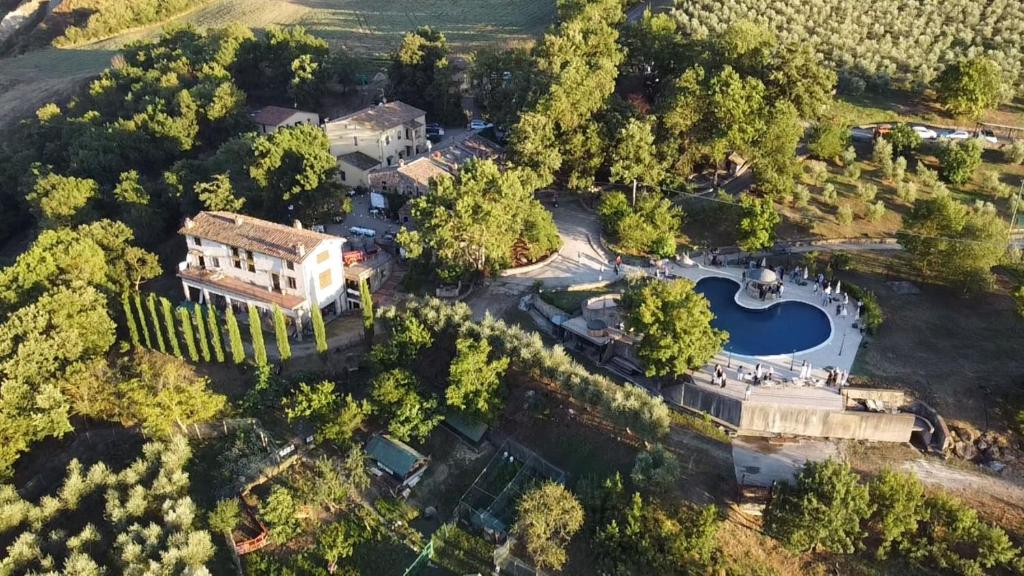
958	161
852	171
882	155
867	191
656	469
849	156
828	140
801	195
829	195
844	215
1014	152
907	191
899	169
818	172
877	211
871	316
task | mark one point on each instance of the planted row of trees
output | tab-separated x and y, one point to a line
200	330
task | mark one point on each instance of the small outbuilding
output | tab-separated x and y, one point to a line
396	464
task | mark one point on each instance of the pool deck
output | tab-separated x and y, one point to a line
838	351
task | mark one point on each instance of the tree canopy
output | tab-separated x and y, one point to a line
673	323
422	75
547	517
970	86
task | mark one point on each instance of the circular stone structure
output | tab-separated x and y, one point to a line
782	328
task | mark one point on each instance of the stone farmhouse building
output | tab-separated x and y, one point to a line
377	136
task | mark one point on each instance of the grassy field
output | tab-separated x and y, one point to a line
366	28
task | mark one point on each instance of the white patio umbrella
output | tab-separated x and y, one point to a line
839	285
764	262
805	272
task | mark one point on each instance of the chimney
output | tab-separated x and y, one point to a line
189	223
300	250
297	224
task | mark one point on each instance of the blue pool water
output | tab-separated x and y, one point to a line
782	328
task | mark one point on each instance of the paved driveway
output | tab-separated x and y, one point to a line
581	258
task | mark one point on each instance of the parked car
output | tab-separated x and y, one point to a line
987	136
955	135
882	130
435	129
925	133
478	124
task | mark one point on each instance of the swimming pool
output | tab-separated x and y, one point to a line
782	328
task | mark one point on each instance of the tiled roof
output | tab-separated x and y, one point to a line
359	160
422	170
381	117
248	233
274	115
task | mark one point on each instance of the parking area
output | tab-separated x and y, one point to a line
361	217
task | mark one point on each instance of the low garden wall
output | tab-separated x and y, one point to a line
529	267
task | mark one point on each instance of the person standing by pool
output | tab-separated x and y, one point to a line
719	375
782	288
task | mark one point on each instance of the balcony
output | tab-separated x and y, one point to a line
219	282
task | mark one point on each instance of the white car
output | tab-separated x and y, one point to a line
955	135
925	133
478	124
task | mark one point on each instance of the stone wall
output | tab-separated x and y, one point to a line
891	398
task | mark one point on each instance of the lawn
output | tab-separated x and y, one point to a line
571	300
961	355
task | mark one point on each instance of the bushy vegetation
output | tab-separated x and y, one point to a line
107	17
137	520
884	43
649	227
830	508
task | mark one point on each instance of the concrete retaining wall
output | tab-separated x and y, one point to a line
805	421
547	310
717	405
529	267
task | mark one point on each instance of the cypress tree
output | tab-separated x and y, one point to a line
129	320
213	323
366	303
235	337
204	343
319	332
259	348
142	320
151	304
169	321
188	334
281	333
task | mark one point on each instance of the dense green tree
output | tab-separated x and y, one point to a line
172	336
259	349
656	49
129	319
225	516
903	138
958	161
396	401
216	338
674	325
650	227
319	330
46	348
58	200
777	168
899	507
547	517
952	244
293	165
656	470
971	86
287	61
284	348
474	381
338	541
203	339
366	306
757	227
824	511
164	395
155	318
234	337
829	139
422	76
472	222
280	512
316	403
503	81
188	334
218	194
634	157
